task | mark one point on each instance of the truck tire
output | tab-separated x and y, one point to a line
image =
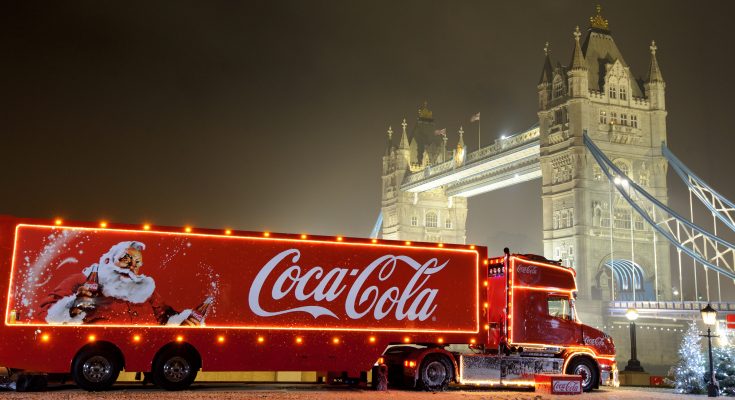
586	368
95	369
175	369
435	373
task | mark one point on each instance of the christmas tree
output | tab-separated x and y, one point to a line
690	370
724	362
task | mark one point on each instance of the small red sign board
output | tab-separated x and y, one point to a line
730	318
559	384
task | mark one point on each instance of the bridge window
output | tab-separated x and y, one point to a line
623	166
431	220
622	219
603	117
643	179
639	225
414	221
605	219
571	217
624	119
634	121
623	93
448	223
613	92
613	118
558	87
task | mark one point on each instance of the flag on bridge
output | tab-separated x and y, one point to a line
441	132
475	117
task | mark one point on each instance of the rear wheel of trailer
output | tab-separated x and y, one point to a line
175	367
96	367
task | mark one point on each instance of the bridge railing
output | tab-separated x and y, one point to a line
496	148
671	305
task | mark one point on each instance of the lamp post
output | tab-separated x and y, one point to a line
633	364
709	315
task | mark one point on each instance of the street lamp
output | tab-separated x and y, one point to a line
633	363
709	315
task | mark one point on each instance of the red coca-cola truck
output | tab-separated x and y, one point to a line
91	300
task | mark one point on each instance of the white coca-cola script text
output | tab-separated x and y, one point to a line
527	269
414	301
567	386
598	341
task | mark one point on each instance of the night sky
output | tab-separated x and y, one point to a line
271	115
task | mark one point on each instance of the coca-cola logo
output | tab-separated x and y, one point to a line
566	386
597	342
527	269
412	302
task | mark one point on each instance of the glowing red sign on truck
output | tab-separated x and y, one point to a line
151	279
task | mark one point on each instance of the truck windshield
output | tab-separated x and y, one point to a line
559	307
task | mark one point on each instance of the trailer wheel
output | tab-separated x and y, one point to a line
586	368
95	369
175	368
435	373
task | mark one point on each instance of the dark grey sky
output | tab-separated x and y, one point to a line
272	114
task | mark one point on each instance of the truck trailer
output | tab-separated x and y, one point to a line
89	300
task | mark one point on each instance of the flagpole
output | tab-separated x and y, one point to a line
479	144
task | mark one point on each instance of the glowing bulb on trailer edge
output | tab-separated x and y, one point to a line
299	340
374	240
408	243
228	232
187	229
372	339
179	338
92	338
261	339
335	340
303	236
266	234
45	337
136	338
147	227
340	238
103	224
58	221
220	339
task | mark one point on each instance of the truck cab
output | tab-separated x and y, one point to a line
531	327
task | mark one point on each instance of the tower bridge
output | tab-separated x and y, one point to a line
598	125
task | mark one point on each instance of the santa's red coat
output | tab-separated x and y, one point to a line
111	310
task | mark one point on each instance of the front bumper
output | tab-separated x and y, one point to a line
609	377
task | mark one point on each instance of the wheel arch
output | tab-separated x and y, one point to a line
422	353
101	345
585	355
179	346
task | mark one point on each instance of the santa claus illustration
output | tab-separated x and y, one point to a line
113	291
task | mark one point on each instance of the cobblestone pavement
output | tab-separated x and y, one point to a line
320	392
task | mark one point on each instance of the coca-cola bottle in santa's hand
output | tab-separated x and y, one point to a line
196	318
87	293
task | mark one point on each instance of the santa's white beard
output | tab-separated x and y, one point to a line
124	284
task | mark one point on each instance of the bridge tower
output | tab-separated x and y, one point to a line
430	215
585	225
